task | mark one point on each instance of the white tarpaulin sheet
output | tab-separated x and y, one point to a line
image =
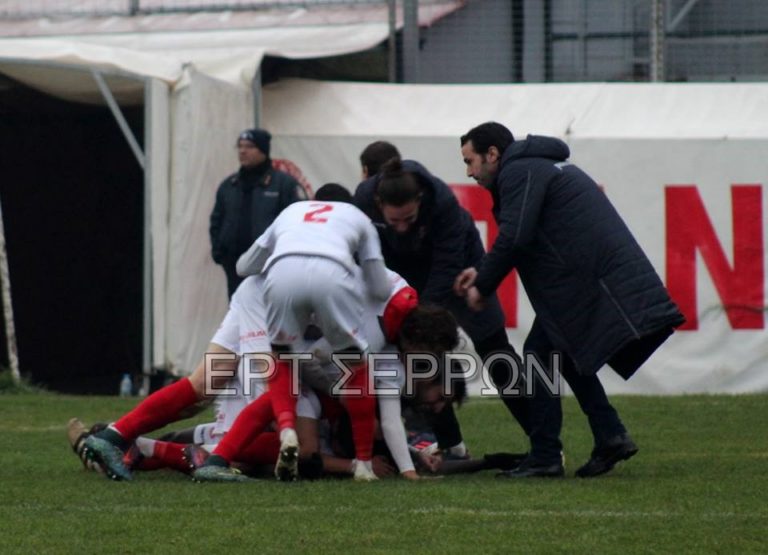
203	154
685	165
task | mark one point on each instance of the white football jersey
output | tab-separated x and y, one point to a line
335	230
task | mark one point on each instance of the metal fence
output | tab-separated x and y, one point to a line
502	41
20	9
658	40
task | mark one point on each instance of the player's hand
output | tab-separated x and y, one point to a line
431	462
475	300
381	467
410	475
464	281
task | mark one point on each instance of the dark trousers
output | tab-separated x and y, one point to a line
502	375
487	332
546	411
233	280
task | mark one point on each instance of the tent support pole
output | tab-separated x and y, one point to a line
256	89
411	69
147	267
118	114
392	41
10	329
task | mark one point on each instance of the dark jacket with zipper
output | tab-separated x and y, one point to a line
247	202
441	243
594	291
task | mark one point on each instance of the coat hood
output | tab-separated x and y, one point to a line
537	146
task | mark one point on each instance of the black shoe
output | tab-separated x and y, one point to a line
195	456
604	458
532	469
504	461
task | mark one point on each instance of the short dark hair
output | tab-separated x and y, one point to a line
376	155
431	327
397	187
488	134
333	192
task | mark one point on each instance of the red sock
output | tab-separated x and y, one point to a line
362	413
263	450
283	401
157	410
246	428
171	454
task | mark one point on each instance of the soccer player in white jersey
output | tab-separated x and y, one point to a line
308	258
243	330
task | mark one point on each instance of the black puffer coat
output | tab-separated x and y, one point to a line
592	287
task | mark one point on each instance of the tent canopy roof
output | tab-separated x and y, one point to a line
55	55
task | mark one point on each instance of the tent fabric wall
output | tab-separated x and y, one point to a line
203	154
157	148
638	141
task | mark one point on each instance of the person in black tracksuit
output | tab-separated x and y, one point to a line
597	298
428	238
247	202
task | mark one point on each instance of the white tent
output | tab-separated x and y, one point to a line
657	149
194	75
193	111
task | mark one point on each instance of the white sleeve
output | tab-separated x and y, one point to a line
252	261
394	432
376	279
369	246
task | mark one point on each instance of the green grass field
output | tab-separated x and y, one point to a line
698	485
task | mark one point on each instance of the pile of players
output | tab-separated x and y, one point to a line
390	273
318	267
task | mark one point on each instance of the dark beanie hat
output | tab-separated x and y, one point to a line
259	137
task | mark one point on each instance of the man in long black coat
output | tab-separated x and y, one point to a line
597	298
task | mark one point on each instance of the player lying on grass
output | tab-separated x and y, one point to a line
185	450
256	419
324	433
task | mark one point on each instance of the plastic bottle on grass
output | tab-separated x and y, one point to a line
126	386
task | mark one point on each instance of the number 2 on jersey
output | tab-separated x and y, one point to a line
312	215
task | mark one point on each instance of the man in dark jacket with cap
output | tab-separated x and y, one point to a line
248	201
597	298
